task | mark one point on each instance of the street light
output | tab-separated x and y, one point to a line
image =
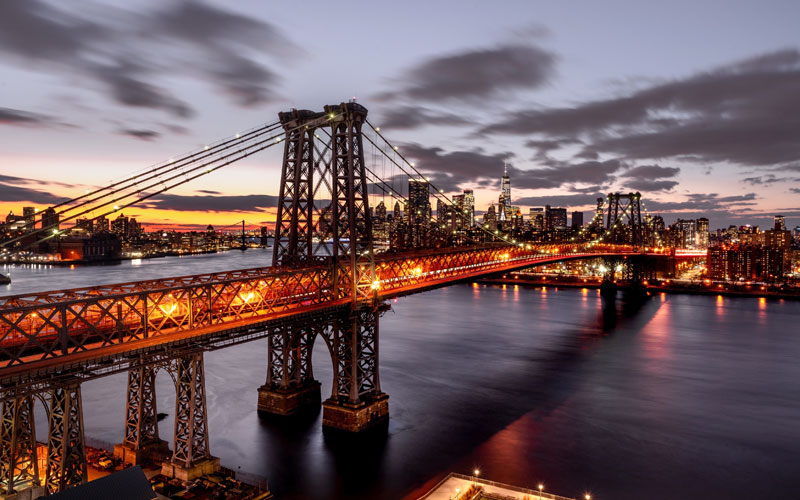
475	473
541	487
587	496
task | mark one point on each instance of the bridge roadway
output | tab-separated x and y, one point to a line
94	331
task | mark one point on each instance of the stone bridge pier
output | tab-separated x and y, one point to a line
351	335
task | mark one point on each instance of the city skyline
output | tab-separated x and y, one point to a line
573	120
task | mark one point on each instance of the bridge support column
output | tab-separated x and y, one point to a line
191	456
66	451
19	468
356	402
290	385
141	441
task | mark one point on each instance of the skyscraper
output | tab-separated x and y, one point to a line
780	223
50	219
469	205
577	219
702	232
419	202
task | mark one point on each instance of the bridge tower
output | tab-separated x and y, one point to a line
335	175
624	223
625	219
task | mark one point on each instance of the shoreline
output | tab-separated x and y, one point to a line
671	288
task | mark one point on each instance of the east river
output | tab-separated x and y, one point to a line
679	397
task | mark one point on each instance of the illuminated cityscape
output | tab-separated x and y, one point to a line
421	252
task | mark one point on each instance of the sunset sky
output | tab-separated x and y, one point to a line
695	104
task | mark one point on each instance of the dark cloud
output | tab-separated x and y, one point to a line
10	116
9	193
411	117
650	178
209	203
649	186
127	54
765	180
476	74
795	190
448	170
651	172
746	113
454	168
24	181
142	134
563	200
704	202
560	173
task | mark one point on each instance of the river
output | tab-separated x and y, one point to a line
679	396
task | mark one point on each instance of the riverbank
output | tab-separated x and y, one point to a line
655	286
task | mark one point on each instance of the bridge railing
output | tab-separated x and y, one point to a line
411	270
47	330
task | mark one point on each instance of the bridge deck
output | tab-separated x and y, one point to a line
45	331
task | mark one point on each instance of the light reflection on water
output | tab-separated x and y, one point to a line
680	396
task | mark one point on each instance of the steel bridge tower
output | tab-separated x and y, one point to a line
323	217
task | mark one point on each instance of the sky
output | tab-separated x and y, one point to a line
694	104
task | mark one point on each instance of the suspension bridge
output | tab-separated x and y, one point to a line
327	280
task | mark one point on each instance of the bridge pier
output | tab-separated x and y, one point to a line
66	451
191	456
290	386
356	401
19	468
141	441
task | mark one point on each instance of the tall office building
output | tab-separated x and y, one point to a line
780	223
419	201
702	232
536	215
469	205
577	219
50	219
29	215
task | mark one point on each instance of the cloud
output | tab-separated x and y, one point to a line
765	180
210	203
649	186
142	134
126	54
704	202
560	173
475	74
651	172
10	116
745	113
795	190
448	170
412	117
9	193
563	200
10	179
650	178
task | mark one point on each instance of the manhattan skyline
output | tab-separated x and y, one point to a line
696	107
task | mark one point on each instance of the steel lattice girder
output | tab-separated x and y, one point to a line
18	455
37	332
49	330
289	353
191	422
66	452
353	342
141	423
